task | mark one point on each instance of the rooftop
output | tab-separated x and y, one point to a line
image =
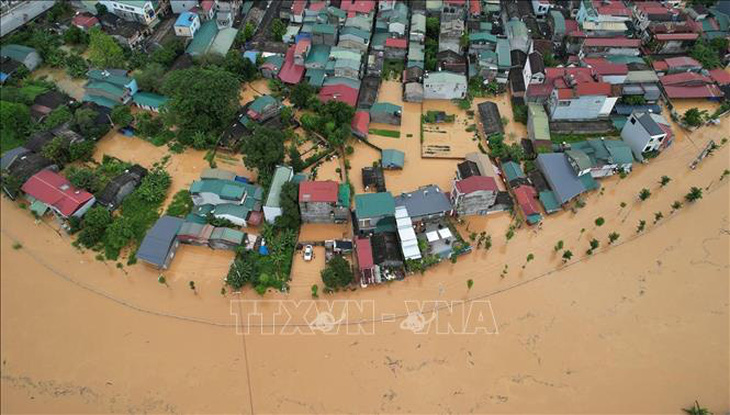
370	205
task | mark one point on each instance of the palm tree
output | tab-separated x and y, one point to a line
529	258
658	216
695	193
469	284
600	221
558	246
594	245
676	205
664	181
642	225
696	409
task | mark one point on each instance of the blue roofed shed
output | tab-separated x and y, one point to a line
393	159
159	245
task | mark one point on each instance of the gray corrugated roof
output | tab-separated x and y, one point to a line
649	124
560	176
10	156
428	200
156	244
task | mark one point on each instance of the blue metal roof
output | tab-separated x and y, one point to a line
158	241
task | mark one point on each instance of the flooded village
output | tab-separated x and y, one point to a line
164	164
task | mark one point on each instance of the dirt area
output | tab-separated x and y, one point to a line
184	168
251	90
73	87
77	333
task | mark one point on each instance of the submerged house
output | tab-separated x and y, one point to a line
426	203
444	85
324	201
121	186
599	157
645	133
561	176
392	159
159	245
49	190
109	87
373	208
474	195
386	113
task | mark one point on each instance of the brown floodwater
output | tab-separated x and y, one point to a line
615	332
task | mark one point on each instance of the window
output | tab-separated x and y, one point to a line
647	149
633	120
563	103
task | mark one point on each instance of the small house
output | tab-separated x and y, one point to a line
451	61
538	126
474	195
235	213
85	21
22	166
373	178
373	208
425	204
272	207
645	133
160	243
601	157
25	55
527	197
121	186
513	174
324	34
324	201
386	250
413	92
49	190
444	85
395	48
392	159
386	113
566	185
263	108
187	24
149	101
360	123
194	233
367	269
225	238
109	87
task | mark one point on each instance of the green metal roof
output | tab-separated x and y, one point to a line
370	205
393	158
16	52
260	103
323	28
539	120
364	34
336	12
482	37
227	234
512	170
344	53
99	100
318	55
104	76
192	217
559	21
580	158
226	189
106	87
343	194
485	26
379	39
232	209
549	202
149	99
282	174
605	151
589	183
384	107
315	77
203	38
503	53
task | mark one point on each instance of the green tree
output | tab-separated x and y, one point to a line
337	273
191	284
315	289
469	284
15	120
301	93
289	201
242	272
676	205
644	194
57	117
594	245
278	29
295	158
56	151
181	204
122	115
162	280
612	237
567	255
694	117
558	246
75	36
695	193
100	9
83	178
642	225
707	55
151	77
664	181
76	66
95	223
600	221
81	151
169	51
264	150
240	67
248	31
104	52
658	216
201	99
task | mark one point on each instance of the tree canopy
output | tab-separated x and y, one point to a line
337	273
289	200
201	99
263	151
151	77
104	51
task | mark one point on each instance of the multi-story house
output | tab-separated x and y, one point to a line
323	202
474	195
142	11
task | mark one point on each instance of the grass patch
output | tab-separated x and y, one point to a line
385	133
572	138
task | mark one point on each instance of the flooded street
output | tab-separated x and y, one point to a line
73	87
80	335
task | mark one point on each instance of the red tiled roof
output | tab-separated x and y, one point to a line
476	183
721	76
571	26
360	122
539	90
682	61
620	42
53	189
659	65
315	7
324	191
364	253
84	20
291	73
593	88
651	7
297	8
455	2
702	91
527	199
475	7
340	92
392	42
676	36
358	6
685	79
603	67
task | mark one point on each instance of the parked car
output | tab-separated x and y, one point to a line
308	253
